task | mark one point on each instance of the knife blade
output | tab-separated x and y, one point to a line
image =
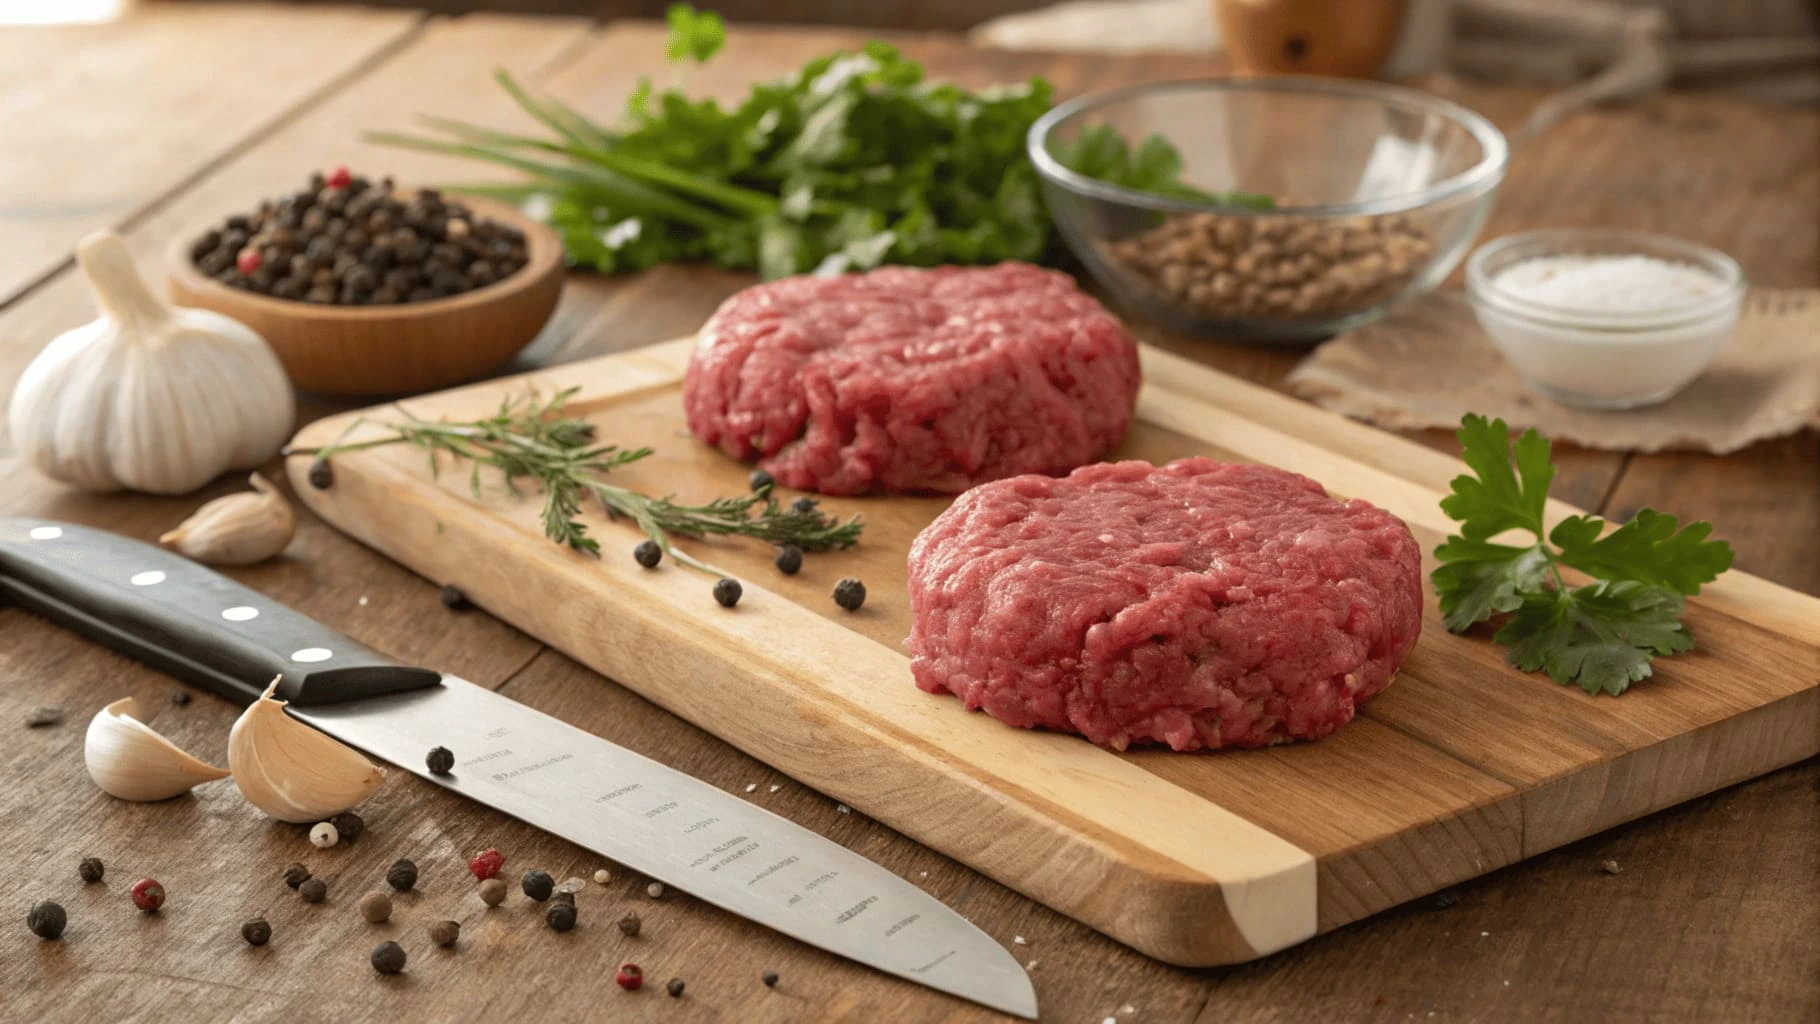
204	628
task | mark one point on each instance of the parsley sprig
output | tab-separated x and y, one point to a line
1602	635
531	438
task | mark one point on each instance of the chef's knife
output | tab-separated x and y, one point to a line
202	627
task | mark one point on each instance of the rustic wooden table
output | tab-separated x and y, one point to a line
159	123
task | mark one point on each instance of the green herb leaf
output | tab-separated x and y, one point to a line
694	35
1602	636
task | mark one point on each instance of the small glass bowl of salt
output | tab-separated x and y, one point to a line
1605	319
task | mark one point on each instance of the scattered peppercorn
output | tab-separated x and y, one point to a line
445	933
454	599
1611	867
789	559
388	958
376	907
630	977
647	553
91	869
440	760
39	718
629	925
537	884
727	591
295	875
348	825
1444	900
561	916
322	476
256	932
313	890
761	480
850	593
493	892
323	835
180	697
486	863
349	241
402	875
602	876
148	895
655	890
563	897
769	978
675	987
47	919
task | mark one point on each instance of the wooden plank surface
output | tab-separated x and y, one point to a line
1712	917
101	121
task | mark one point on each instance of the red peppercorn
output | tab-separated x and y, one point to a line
486	863
630	977
248	262
340	177
148	895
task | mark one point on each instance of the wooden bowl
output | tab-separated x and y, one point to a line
388	350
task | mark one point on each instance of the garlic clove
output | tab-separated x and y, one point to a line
293	772
128	759
238	529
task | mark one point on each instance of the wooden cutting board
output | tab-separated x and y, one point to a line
1463	766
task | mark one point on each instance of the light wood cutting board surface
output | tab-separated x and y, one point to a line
1464	765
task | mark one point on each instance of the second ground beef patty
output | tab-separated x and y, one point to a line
912	381
1199	604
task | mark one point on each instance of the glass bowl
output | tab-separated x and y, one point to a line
1379	192
1605	358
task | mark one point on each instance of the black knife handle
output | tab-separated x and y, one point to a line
186	619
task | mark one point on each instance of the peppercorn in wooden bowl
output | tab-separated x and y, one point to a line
339	343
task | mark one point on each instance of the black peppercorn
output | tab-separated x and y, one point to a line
675	987
91	869
42	717
440	760
629	925
445	933
180	697
402	875
388	958
560	917
538	884
648	553
761	480
348	826
256	932
803	506
295	875
313	890
563	896
453	599
727	591
769	978
46	919
789	559
850	593
322	476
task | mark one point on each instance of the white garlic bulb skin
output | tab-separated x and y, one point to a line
150	397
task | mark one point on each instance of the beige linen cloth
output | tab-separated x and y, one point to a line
1429	363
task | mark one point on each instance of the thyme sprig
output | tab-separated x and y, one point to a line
531	438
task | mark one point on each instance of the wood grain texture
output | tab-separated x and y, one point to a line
163	92
1711	919
1465	765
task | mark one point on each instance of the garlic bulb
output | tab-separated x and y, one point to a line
128	759
150	397
239	529
291	771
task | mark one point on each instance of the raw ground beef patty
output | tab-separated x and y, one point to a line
912	381
1199	604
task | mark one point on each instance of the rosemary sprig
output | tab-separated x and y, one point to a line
529	438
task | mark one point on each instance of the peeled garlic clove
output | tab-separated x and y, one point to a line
293	772
128	759
238	529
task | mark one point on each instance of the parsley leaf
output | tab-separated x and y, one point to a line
694	35
1603	635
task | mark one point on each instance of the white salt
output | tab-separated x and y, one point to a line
1607	284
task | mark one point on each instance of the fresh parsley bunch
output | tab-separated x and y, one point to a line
851	162
1602	635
